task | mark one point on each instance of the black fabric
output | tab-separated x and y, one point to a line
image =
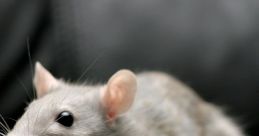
210	45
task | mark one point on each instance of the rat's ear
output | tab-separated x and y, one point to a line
43	80
119	93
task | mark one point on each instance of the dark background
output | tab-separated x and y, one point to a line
213	46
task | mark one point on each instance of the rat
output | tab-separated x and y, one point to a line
129	104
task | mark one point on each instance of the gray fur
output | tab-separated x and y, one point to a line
163	107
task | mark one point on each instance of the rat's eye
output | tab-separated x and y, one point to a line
65	118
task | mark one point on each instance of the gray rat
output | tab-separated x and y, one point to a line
144	104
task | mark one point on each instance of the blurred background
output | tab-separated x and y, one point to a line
213	46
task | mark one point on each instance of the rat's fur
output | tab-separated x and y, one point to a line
162	107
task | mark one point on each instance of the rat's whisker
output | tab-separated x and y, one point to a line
25	88
31	67
2	134
6	125
4	129
89	67
13	119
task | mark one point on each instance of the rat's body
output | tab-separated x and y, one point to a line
161	106
169	108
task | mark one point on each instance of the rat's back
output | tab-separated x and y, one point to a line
164	106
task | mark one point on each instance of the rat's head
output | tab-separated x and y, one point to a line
64	109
